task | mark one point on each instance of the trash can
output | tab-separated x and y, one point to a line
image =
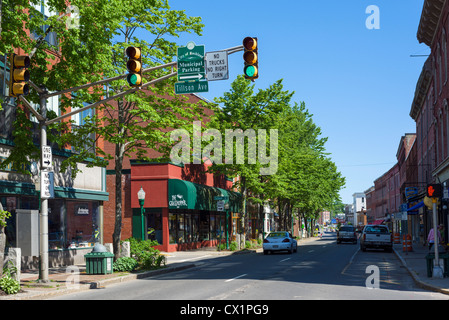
99	261
429	261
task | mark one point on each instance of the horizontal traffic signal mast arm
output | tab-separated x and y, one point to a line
121	94
122	76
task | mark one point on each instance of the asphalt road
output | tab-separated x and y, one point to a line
320	269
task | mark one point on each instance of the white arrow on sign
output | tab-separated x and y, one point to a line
196	76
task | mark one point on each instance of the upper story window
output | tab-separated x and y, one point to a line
43	8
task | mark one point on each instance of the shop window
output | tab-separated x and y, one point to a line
172	228
195	228
56	224
82	223
181	227
204	227
213	233
188	228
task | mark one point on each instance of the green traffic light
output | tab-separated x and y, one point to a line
133	79
250	71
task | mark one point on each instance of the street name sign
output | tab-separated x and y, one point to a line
191	69
217	66
46	157
47	185
191	87
216	198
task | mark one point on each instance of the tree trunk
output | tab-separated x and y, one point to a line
116	237
2	245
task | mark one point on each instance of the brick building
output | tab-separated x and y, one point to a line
430	108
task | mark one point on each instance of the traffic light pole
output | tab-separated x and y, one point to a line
437	271
43	217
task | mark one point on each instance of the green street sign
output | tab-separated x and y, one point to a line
191	69
191	87
218	198
191	52
191	62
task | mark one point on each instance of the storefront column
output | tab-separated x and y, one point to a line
165	230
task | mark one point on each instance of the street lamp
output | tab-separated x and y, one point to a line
141	197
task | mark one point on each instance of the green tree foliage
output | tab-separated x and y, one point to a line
92	51
306	180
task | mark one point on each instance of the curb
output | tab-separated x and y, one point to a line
96	284
418	280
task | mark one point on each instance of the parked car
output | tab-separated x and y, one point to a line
376	236
347	233
279	241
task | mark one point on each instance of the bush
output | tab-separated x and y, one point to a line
146	256
9	285
233	246
125	264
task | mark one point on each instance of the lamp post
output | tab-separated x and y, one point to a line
141	197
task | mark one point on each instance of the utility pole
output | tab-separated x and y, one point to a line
43	225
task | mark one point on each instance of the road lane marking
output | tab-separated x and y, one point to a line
207	255
285	260
310	251
350	261
229	280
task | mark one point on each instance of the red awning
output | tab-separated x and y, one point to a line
379	221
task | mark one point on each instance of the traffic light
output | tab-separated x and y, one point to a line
134	66
19	75
434	191
251	58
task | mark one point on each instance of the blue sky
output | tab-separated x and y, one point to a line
358	83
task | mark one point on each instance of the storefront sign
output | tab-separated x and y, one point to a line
82	209
177	201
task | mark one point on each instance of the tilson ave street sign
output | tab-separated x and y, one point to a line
191	70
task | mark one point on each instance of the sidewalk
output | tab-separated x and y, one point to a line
415	263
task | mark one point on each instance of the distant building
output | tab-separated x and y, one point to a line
359	209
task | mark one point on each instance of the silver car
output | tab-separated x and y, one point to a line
279	241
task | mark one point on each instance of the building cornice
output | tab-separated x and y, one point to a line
430	18
422	87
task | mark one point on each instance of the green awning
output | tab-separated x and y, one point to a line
188	195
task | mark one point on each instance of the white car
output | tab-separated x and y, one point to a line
279	241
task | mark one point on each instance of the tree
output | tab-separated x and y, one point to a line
94	51
243	109
307	180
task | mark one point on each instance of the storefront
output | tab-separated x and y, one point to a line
178	213
75	214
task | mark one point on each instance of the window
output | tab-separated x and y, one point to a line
172	228
440	71
434	80
7	115
444	45
376	229
442	136
43	8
